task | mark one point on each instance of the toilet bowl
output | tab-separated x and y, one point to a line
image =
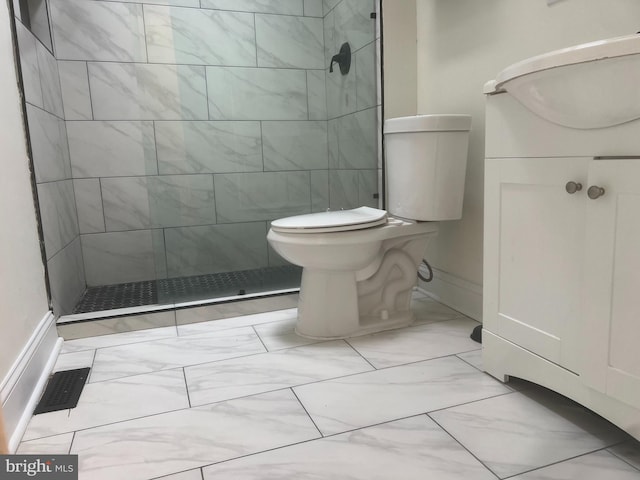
360	265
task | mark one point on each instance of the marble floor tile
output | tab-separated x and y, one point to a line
188	475
473	358
374	397
58	444
514	433
595	466
124	360
235	322
187	439
72	361
397	347
124	338
629	452
412	448
213	382
279	335
114	401
427	310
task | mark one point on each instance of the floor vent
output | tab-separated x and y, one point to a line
63	390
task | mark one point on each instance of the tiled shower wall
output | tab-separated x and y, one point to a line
191	126
50	153
354	104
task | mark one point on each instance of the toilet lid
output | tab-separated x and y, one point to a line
333	221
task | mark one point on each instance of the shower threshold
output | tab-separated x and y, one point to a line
198	288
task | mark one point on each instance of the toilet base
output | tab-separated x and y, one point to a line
334	313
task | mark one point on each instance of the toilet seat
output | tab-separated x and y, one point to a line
332	221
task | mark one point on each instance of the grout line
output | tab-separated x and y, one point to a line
73	438
305	410
253	327
363	357
144	33
186	386
462	445
206	95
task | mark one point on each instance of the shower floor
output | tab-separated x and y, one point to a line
185	289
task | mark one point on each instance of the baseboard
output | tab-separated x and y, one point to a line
21	389
455	292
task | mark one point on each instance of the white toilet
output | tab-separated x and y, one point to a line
360	265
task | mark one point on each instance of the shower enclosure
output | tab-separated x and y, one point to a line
167	134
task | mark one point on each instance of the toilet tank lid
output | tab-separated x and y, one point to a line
357	217
428	123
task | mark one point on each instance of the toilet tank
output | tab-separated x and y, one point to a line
426	162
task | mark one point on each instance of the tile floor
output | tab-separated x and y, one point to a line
245	398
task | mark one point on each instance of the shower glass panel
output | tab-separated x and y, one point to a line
192	126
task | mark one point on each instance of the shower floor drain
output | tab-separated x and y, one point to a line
63	391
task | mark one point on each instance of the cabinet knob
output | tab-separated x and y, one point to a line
573	187
595	192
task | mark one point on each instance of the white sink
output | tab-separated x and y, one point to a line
593	85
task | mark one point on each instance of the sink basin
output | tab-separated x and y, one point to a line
593	85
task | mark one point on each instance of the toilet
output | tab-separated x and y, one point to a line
360	266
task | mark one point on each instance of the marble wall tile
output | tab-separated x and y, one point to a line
295	145
256	94
328	5
166	201
353	23
313	8
58	213
319	190
76	98
357	140
341	93
286	7
29	65
332	138
89	205
208	434
246	197
216	248
107	149
66	278
126	203
181	200
291	42
365	65
119	257
208	147
343	189
407	449
48	145
317	95
368	187
39	19
49	81
329	25
199	37
105	31
125	91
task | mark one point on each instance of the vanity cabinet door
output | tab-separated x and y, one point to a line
611	328
534	249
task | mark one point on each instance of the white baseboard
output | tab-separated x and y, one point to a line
455	292
21	389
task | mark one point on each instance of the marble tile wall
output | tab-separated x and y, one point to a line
53	170
191	125
353	101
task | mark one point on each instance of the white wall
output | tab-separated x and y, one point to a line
400	68
464	43
23	300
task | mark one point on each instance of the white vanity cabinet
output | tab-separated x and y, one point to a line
562	270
